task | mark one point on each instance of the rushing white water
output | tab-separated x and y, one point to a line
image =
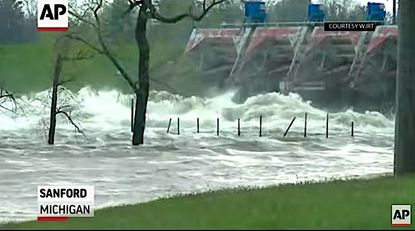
169	163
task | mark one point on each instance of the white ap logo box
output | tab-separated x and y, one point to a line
401	215
52	15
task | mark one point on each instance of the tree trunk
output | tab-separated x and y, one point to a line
143	75
56	76
405	101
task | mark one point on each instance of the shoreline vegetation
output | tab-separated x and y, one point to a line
27	66
346	204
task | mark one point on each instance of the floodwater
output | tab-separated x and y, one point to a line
169	163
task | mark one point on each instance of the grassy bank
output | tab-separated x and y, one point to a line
26	68
336	204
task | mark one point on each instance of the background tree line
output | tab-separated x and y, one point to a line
17	21
167	42
18	18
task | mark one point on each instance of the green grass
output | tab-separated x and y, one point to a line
336	204
27	68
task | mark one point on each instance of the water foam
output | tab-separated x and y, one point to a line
110	110
168	164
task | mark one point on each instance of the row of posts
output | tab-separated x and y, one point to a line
260	126
239	124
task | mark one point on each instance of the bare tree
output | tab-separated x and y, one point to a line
64	109
147	11
7	97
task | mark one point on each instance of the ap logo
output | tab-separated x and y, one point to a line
52	15
401	215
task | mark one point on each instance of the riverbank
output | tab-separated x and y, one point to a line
333	204
28	68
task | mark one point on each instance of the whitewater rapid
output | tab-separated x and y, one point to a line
169	163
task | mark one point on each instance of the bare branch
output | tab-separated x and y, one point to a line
96	9
107	51
5	108
68	93
206	9
84	41
6	96
132	5
79	57
71	121
104	50
63	82
63	107
82	18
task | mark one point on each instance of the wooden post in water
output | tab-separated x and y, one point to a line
168	127
178	126
305	125
197	125
217	126
260	126
132	115
286	131
405	100
327	125
239	127
352	128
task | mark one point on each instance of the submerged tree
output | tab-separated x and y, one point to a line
7	97
147	11
57	86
